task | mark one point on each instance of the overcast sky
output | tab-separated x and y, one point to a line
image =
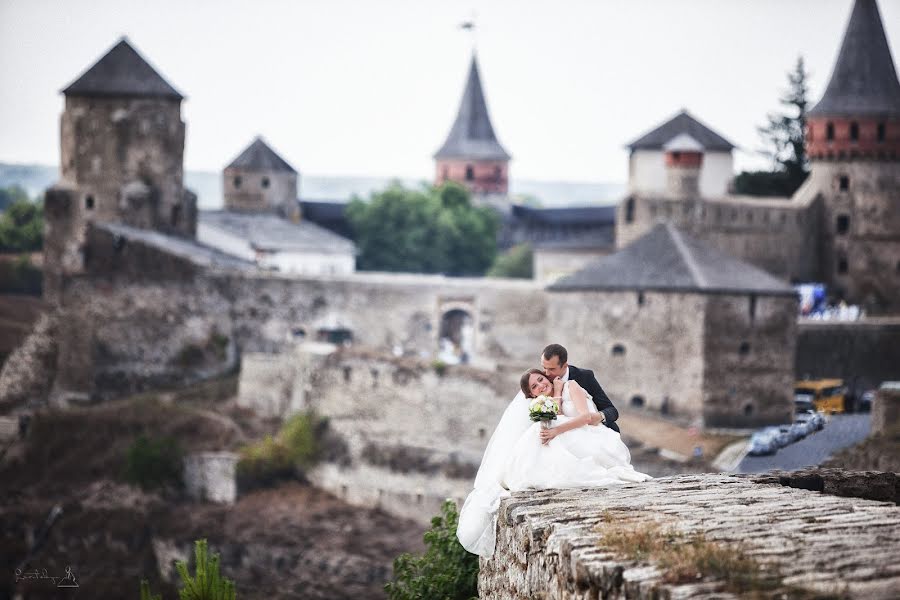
365	87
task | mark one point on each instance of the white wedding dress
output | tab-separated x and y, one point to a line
515	459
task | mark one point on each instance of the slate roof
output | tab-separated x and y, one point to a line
271	232
189	249
122	72
330	215
596	238
864	80
258	156
472	135
683	122
665	259
579	215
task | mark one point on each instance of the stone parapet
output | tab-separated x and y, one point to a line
886	408
550	543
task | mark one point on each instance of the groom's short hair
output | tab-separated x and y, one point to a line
557	350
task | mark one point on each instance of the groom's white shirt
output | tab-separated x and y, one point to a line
565	376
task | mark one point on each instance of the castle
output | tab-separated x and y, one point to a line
842	227
693	315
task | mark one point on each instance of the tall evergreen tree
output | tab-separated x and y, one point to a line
784	138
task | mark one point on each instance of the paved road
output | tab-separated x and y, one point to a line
840	431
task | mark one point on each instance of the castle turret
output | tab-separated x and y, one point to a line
650	160
472	155
684	157
122	148
858	117
853	142
259	180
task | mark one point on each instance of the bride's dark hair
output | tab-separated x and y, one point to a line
523	381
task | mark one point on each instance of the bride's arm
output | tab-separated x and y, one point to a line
584	416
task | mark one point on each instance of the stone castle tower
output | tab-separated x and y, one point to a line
122	148
471	155
853	142
259	180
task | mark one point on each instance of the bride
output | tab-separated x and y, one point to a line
574	452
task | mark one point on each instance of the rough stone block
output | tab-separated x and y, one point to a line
886	409
210	476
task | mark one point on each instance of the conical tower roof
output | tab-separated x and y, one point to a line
122	72
472	135
864	80
258	156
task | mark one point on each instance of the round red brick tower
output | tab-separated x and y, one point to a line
684	158
858	117
471	155
853	142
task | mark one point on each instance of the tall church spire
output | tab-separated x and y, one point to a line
864	81
472	135
471	155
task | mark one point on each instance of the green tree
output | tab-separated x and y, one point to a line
431	230
207	584
12	194
784	137
446	570
22	227
518	261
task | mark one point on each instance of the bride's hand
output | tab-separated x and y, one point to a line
547	434
558	387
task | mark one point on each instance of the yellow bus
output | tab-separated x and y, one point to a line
827	395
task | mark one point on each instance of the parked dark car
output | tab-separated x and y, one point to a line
865	401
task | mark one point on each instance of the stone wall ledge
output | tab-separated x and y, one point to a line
549	542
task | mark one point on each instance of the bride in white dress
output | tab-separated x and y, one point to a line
576	451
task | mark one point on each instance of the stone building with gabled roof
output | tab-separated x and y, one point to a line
122	149
648	169
673	324
471	154
262	221
277	244
260	180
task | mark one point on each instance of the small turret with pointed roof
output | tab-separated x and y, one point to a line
471	154
260	180
858	116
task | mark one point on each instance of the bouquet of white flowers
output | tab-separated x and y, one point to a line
543	409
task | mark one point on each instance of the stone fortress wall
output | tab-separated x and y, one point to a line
175	318
404	435
777	235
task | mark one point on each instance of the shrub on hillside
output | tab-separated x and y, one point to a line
19	276
275	458
154	463
22	227
446	570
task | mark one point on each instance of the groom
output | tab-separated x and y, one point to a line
555	362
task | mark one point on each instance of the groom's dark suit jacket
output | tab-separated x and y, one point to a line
586	379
